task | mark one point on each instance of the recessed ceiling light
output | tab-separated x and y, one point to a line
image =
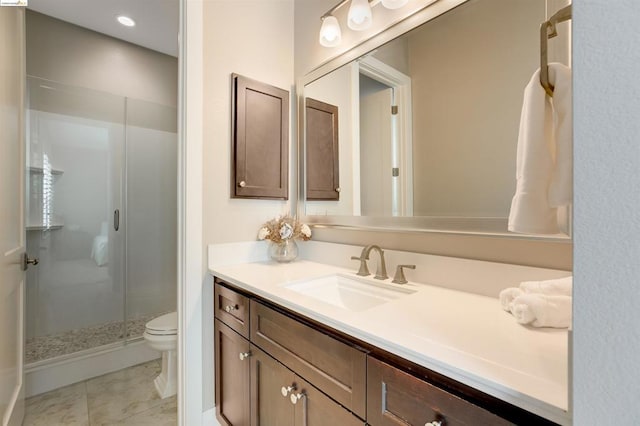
126	21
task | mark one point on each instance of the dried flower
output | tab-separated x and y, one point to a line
263	233
283	228
286	231
305	230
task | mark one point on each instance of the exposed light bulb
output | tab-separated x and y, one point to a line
359	17
330	33
126	21
394	4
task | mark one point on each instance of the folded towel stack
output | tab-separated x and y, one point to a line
540	303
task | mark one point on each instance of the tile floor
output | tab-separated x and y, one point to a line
126	397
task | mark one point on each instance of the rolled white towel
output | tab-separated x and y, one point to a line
507	295
539	310
557	287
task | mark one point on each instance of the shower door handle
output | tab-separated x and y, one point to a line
26	261
116	219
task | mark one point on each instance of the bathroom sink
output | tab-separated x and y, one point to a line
349	293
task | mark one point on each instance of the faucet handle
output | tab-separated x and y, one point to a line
364	270
399	277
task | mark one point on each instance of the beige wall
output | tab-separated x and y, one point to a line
253	38
75	56
468	76
309	55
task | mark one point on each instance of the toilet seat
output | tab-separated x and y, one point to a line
164	325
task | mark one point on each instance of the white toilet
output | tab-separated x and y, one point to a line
161	334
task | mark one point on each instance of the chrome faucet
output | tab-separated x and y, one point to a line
381	270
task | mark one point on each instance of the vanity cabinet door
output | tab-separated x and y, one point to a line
337	369
397	398
313	408
268	404
232	376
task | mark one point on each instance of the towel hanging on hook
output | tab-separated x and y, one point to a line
547	31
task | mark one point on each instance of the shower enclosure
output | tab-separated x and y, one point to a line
101	218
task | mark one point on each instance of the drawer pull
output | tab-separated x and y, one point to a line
434	423
295	397
230	308
286	389
244	355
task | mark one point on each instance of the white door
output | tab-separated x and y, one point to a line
376	166
12	231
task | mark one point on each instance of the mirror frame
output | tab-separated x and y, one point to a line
494	227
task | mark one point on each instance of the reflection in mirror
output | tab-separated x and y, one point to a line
429	121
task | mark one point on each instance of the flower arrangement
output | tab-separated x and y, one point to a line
283	228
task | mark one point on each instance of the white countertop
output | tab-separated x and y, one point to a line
464	336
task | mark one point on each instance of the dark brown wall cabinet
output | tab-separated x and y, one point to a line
260	163
322	166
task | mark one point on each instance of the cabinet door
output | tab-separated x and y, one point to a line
313	408
232	376
397	398
260	166
323	171
334	367
268	404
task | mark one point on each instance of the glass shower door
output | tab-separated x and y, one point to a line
151	194
75	297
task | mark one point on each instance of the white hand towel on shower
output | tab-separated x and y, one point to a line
544	159
539	310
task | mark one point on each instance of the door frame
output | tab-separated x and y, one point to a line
403	149
190	275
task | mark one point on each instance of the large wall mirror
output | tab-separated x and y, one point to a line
421	132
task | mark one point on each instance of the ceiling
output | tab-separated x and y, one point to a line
156	20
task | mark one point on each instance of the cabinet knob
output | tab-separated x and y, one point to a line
434	423
338	189
244	355
242	184
230	308
286	389
295	397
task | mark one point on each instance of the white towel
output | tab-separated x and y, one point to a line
539	310
100	250
557	287
508	295
544	167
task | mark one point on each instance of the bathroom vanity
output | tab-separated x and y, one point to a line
287	352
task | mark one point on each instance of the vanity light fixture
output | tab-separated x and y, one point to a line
359	18
330	33
126	21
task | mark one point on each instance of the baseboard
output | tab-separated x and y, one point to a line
46	376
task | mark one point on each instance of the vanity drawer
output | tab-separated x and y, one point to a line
398	398
337	369
232	308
